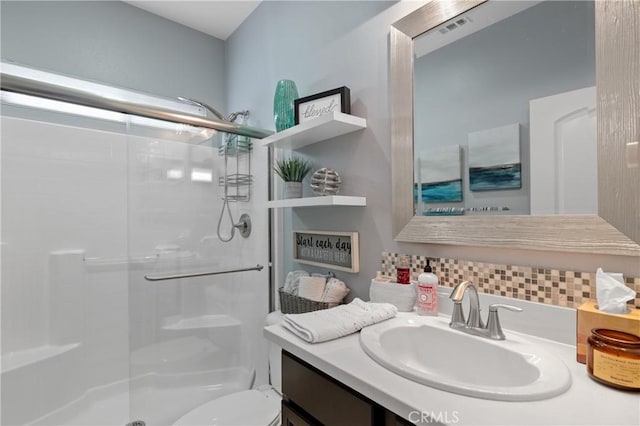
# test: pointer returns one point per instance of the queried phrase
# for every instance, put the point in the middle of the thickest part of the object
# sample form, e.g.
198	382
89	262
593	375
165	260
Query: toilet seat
246	408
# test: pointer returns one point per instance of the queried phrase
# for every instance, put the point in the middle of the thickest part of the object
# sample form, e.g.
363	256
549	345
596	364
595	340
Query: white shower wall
86	213
63	198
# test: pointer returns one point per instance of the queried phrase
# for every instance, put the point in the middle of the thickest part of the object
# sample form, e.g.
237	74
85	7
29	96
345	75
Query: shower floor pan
157	400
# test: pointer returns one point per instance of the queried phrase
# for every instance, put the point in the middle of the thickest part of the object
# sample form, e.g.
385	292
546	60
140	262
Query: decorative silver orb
325	182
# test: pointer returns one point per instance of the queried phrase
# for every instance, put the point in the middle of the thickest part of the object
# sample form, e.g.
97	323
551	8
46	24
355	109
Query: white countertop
585	403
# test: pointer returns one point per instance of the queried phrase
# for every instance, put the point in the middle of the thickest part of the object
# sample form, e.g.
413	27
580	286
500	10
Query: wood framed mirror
614	230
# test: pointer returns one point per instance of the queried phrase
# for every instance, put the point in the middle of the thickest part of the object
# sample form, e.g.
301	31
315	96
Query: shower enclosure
103	212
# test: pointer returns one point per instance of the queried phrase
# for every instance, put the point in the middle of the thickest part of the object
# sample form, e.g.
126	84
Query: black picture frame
304	103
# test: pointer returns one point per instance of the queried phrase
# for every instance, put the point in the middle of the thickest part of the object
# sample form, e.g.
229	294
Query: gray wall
323	45
113	42
545	50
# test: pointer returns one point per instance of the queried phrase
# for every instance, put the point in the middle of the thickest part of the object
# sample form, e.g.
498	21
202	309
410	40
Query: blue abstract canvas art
441	192
494	159
439	174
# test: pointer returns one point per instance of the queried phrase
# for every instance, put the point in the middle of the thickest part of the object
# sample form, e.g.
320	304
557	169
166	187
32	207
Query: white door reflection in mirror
564	153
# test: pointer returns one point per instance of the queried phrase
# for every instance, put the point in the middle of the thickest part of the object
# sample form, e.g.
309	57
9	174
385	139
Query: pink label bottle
427	292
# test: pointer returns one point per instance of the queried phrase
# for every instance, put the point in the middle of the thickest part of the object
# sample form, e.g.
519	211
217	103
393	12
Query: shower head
203	105
229	118
234	115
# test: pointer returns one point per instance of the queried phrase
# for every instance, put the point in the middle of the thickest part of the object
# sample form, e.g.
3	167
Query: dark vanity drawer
327	401
293	417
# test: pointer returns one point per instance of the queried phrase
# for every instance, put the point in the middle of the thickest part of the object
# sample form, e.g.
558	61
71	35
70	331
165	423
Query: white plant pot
292	189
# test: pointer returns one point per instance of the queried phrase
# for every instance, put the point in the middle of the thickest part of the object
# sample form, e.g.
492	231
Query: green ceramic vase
283	112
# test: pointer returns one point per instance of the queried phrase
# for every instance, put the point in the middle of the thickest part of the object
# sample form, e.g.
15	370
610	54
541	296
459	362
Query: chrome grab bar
200	274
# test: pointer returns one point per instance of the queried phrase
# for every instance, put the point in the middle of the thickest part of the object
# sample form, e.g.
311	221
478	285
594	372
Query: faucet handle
493	323
495	306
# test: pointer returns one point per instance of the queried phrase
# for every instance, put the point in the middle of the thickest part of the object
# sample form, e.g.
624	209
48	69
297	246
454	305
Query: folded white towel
334	291
328	324
293	281
312	288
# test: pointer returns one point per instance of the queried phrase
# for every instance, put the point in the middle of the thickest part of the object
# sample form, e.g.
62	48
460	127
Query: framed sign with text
328	249
314	106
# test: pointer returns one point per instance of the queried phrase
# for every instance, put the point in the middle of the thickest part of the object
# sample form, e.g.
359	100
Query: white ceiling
478	18
218	18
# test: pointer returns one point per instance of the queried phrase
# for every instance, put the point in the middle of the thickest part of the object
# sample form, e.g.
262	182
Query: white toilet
247	408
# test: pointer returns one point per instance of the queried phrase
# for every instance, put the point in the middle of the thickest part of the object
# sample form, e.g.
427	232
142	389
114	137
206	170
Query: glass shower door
192	339
92	202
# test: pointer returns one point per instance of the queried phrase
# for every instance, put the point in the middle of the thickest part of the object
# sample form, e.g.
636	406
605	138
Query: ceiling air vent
454	24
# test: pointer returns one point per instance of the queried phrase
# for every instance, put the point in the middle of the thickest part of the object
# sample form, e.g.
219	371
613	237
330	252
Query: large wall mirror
494	105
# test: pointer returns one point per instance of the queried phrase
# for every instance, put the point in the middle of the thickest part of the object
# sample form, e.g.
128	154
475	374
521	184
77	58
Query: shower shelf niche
27	357
200	322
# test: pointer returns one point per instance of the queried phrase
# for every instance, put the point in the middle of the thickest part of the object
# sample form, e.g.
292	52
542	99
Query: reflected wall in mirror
588	233
500	67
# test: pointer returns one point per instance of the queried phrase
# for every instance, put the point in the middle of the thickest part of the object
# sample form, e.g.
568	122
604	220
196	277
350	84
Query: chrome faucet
457	318
473	324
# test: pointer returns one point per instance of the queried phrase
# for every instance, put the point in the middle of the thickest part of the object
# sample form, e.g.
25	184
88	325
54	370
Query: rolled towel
293	281
328	324
312	288
334	291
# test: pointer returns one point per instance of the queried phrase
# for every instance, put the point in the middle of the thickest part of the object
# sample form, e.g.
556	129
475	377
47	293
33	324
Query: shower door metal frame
28	81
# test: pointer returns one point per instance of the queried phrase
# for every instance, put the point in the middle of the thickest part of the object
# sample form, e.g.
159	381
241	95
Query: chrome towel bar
200	274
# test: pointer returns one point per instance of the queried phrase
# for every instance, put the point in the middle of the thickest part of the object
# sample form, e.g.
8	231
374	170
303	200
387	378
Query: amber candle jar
613	358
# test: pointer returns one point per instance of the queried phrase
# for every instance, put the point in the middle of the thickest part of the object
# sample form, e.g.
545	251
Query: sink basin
426	350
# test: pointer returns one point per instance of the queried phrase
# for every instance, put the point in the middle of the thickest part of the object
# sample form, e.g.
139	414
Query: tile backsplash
551	286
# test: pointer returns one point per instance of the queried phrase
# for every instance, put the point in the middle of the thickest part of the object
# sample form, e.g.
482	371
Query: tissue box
589	317
402	296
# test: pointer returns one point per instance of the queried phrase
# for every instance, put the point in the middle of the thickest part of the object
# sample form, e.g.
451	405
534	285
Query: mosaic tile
551	286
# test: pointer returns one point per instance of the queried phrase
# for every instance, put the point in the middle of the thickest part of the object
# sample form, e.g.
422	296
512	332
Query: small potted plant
292	171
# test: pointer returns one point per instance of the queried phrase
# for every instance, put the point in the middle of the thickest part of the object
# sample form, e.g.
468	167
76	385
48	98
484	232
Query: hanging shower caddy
238	147
237	186
236	150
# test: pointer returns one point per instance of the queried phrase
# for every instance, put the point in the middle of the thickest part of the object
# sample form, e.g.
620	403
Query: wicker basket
290	304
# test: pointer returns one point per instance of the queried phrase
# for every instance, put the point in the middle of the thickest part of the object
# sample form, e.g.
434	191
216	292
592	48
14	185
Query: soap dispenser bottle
427	292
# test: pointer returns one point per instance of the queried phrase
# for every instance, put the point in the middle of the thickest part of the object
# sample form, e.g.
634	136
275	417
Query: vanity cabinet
325	127
311	397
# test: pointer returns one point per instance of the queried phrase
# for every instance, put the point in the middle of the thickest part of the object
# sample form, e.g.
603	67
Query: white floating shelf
328	200
319	129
